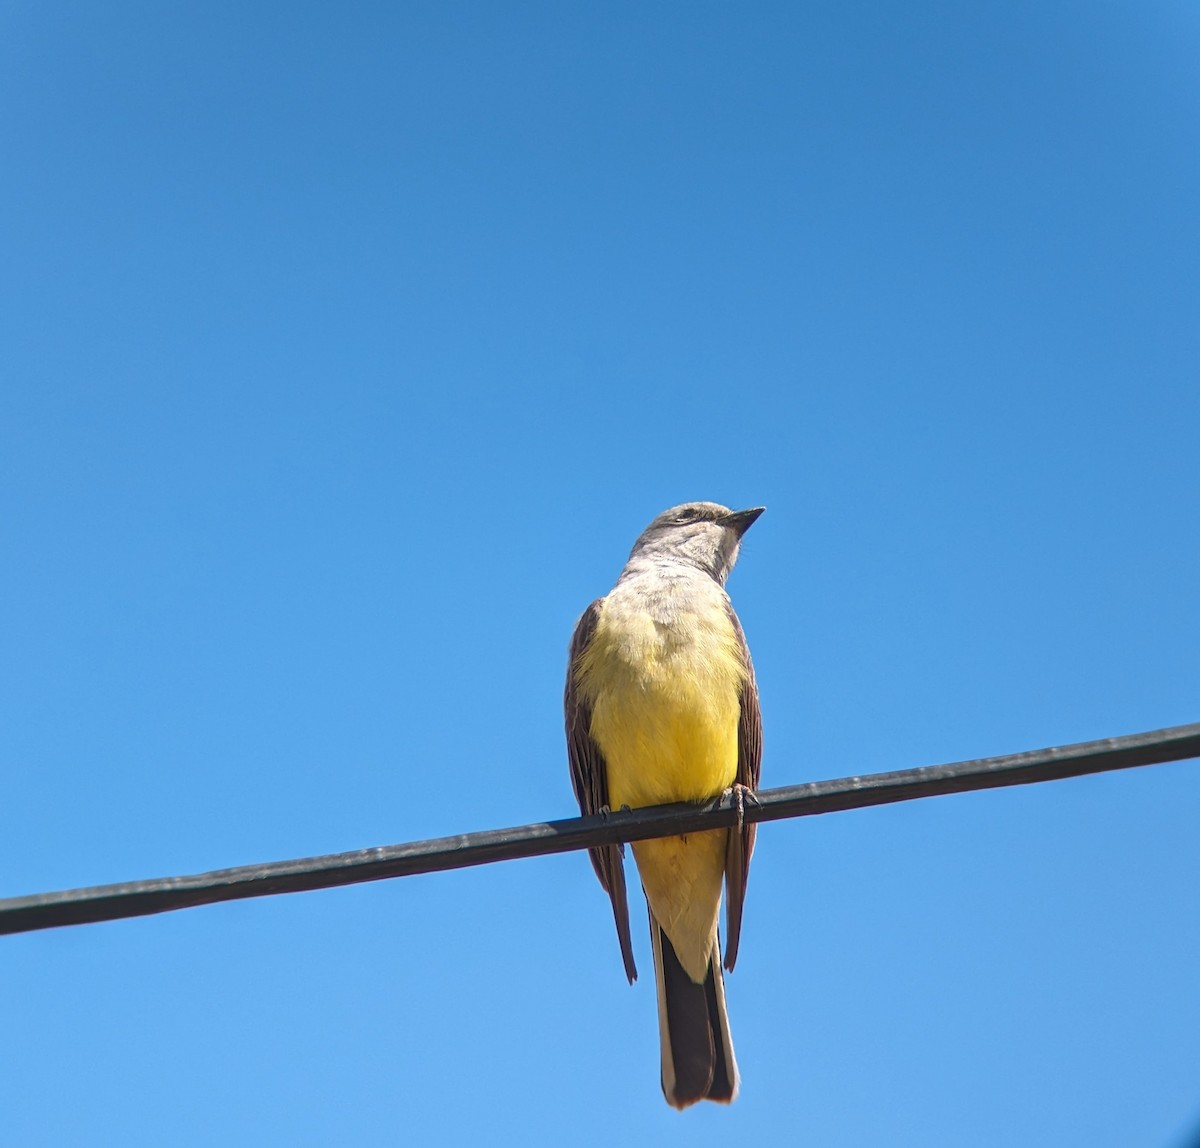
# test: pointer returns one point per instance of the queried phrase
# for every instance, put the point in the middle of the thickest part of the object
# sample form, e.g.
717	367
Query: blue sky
345	351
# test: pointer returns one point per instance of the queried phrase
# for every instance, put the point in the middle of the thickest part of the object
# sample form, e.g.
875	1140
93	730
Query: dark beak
742	520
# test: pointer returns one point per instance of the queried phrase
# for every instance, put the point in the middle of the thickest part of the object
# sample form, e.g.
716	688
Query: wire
142	898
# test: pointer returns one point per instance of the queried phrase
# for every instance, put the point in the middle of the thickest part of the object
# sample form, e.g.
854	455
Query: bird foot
738	795
606	812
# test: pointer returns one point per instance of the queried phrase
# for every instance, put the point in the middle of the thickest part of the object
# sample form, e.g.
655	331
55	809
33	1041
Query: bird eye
689	515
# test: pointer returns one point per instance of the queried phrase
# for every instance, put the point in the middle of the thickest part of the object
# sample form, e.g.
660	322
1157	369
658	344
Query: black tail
697	1050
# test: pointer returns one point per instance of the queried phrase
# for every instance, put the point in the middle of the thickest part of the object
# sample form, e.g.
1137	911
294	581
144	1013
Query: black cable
141	898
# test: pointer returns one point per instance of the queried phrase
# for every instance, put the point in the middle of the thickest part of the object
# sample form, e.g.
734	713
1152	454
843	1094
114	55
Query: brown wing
741	844
589	776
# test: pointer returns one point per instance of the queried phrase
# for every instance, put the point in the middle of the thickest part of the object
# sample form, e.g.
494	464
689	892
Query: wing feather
589	777
749	769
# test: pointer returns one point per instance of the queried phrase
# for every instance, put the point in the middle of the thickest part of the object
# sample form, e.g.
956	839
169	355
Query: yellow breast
664	687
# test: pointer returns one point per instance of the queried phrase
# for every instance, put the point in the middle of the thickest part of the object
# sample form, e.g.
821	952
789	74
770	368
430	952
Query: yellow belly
665	744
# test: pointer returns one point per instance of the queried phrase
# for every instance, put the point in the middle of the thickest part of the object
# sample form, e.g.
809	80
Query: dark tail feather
697	1050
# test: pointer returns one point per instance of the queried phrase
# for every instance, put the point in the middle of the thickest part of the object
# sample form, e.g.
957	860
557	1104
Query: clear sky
344	351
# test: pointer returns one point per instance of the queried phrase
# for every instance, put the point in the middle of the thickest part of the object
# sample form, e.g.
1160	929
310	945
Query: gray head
701	534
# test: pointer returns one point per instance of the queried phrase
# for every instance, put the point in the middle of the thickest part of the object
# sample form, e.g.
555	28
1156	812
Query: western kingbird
661	706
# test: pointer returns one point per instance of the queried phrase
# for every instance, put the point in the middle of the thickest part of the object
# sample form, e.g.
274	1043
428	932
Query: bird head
701	534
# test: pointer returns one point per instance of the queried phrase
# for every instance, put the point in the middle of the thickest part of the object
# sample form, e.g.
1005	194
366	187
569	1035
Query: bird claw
738	795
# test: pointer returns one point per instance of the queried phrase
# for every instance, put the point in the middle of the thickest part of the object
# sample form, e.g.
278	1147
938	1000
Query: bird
661	705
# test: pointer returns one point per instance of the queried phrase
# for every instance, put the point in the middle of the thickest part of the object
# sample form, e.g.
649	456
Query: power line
161	895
